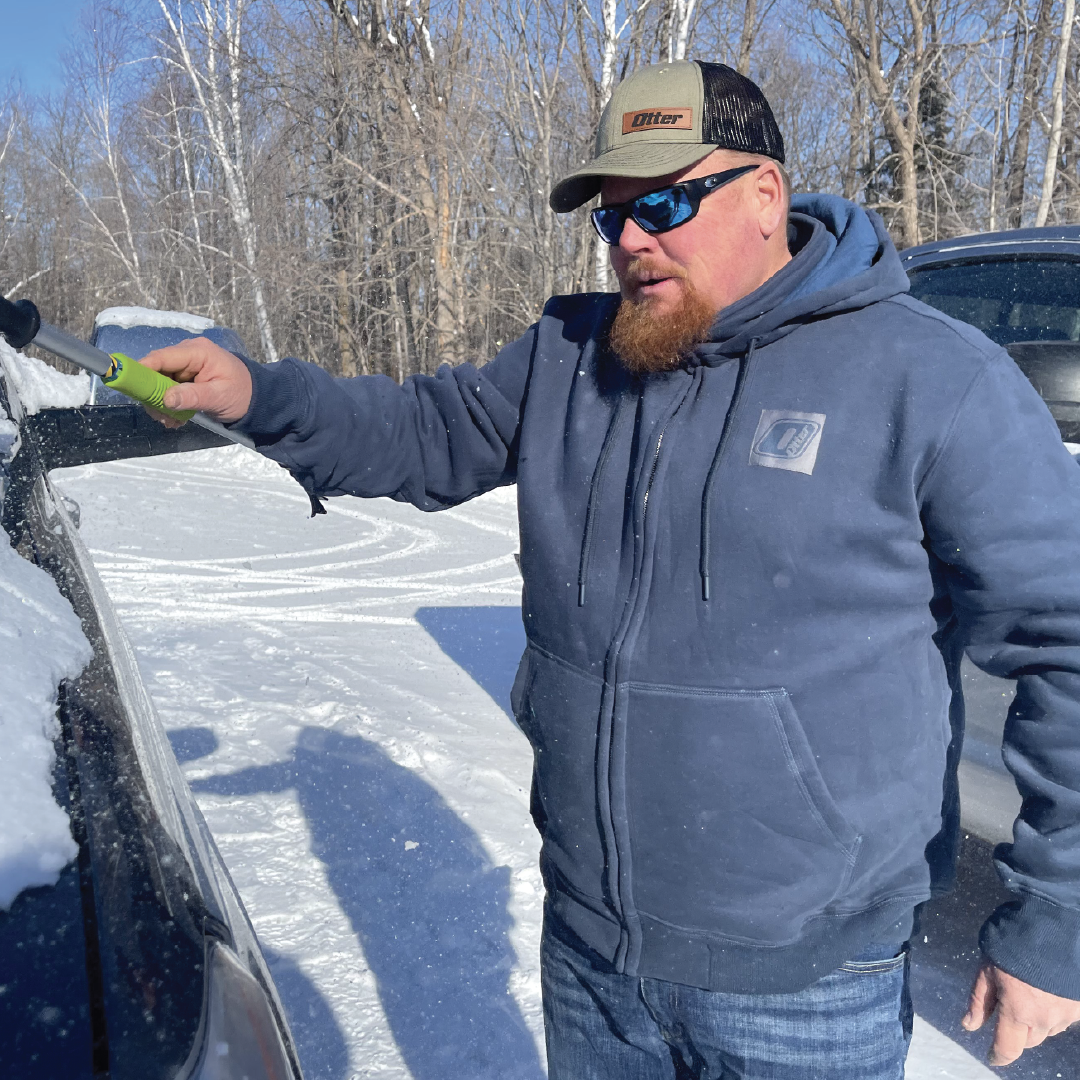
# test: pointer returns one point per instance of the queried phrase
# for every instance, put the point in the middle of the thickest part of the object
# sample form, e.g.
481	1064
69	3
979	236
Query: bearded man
766	502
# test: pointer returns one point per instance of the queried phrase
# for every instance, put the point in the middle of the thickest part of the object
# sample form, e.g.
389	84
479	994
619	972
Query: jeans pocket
732	827
874	967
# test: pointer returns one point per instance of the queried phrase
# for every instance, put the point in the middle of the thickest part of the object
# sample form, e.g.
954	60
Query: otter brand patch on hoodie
787	440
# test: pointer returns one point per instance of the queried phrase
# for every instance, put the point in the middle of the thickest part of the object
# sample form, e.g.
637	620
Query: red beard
648	341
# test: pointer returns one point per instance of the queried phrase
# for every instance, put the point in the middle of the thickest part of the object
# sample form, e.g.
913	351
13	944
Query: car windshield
1013	299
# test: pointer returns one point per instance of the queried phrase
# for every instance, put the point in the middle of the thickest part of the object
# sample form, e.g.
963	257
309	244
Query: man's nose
634	240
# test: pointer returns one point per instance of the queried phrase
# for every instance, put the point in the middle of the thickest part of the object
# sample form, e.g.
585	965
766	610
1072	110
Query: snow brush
21	324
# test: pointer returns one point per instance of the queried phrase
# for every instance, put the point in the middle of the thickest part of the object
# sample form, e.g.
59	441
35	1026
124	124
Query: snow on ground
40	386
41	643
337	691
126	317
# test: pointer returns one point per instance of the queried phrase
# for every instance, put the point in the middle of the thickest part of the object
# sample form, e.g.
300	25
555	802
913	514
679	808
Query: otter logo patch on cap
681	119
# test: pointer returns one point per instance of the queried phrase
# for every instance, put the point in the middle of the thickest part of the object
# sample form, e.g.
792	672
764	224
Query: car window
1007	299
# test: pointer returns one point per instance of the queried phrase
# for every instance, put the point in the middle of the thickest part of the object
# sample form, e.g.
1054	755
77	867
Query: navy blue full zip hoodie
748	584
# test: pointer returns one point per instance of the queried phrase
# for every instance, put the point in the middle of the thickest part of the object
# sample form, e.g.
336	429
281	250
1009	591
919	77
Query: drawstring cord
594	488
706	498
714	468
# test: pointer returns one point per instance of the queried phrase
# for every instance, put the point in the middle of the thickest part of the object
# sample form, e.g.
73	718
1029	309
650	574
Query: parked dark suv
1022	289
140	962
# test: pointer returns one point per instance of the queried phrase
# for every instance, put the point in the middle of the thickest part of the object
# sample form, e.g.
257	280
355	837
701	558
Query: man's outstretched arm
433	441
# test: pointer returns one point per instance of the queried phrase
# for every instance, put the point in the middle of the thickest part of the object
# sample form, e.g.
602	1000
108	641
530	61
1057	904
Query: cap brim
640	160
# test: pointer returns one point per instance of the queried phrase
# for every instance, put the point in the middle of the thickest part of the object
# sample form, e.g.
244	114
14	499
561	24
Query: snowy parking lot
337	692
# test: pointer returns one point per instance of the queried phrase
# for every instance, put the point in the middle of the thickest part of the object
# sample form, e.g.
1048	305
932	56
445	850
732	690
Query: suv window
1009	300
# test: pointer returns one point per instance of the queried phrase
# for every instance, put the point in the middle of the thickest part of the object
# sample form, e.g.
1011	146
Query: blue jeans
854	1024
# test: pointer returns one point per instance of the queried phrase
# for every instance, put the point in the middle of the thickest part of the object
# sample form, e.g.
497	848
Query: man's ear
771	198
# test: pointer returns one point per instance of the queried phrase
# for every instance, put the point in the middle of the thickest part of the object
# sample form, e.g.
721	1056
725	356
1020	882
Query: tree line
363	183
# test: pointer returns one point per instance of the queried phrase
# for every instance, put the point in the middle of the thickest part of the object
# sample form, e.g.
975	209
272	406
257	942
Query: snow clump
40	386
41	643
127	317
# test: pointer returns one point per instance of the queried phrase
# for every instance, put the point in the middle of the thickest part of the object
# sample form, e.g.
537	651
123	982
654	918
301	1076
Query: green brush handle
143	384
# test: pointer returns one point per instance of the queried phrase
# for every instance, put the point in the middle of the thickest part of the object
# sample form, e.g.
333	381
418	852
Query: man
766	501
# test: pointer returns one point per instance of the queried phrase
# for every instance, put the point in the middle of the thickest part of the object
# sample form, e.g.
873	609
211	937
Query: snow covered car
140	961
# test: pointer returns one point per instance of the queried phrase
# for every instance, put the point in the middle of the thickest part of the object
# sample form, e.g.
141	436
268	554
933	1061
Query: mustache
641	269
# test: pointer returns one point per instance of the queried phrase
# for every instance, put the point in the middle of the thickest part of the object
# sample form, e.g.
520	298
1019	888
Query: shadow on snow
487	642
431	917
319	1042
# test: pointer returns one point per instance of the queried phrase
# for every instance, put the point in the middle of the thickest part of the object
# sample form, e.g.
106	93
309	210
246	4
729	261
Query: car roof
1057	240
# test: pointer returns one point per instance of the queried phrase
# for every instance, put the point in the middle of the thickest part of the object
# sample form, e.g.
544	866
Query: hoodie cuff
1038	942
277	402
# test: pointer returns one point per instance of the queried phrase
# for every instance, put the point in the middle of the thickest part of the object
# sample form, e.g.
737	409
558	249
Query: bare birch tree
1057	98
213	61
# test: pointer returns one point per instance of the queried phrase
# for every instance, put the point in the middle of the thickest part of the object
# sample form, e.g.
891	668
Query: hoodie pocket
732	829
557	707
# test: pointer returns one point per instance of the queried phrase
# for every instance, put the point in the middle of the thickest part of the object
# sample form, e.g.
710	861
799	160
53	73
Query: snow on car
137	958
41	643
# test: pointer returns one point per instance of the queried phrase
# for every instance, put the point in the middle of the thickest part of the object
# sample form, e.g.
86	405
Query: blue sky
36	32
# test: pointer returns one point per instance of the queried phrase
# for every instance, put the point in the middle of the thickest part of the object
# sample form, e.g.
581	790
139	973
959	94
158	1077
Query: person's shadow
423	897
319	1042
487	642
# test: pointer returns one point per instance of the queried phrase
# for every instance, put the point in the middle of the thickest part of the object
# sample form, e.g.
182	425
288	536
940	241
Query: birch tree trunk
682	18
609	50
1057	96
1001	131
611	32
1030	86
216	84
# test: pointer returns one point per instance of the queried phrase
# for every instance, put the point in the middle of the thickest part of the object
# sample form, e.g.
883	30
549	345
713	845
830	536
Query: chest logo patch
787	440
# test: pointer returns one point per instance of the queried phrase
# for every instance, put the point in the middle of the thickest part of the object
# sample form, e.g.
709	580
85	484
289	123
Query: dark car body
1022	289
141	961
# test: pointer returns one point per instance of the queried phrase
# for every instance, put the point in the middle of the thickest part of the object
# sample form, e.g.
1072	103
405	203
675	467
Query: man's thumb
983	1001
184	396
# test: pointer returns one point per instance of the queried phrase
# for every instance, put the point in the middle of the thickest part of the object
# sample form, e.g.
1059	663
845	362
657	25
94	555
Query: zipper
652	477
628	951
629	946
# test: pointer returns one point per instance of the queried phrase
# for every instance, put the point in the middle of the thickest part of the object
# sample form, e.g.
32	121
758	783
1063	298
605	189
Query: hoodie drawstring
594	488
714	468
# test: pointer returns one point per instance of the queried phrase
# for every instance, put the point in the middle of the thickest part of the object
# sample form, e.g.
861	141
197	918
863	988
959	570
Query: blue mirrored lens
608	224
662	210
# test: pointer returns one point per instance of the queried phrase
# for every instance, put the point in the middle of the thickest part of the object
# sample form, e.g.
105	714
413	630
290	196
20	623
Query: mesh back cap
667	117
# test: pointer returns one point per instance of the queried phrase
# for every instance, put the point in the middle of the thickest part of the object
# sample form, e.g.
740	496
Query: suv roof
1054	240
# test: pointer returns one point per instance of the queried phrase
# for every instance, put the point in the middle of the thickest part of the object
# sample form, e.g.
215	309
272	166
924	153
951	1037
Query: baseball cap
667	117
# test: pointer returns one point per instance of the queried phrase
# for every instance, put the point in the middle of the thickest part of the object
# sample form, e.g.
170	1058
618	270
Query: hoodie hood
843	259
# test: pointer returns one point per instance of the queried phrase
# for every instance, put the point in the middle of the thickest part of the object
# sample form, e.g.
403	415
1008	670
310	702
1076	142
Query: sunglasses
664	209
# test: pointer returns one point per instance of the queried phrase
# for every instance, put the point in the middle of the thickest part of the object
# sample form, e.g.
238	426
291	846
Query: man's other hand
214	381
1025	1014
